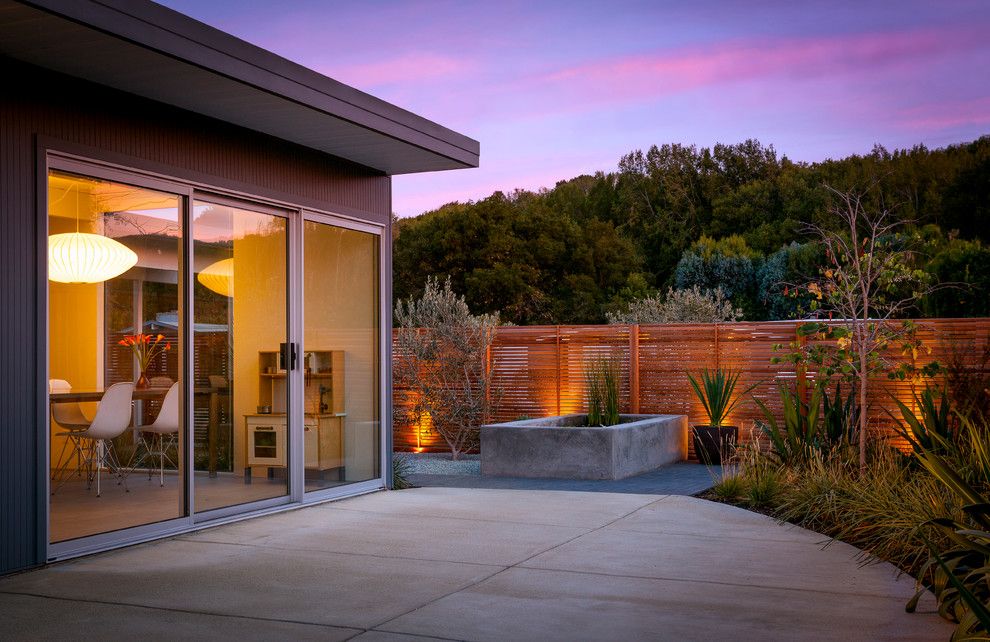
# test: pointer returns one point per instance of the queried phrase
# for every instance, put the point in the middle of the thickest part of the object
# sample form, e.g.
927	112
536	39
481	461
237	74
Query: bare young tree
444	360
869	283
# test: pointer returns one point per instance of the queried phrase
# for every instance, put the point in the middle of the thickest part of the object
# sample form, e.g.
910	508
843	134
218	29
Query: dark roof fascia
180	37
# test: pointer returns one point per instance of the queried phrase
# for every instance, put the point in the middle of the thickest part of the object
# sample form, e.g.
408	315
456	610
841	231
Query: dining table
81	395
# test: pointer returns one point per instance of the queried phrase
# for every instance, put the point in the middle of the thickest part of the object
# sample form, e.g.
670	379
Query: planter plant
717	392
602	380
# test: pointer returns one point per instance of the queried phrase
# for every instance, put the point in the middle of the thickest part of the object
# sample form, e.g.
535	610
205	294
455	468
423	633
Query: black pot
714	443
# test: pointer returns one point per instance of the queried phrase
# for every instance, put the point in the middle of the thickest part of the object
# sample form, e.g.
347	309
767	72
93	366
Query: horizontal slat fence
540	369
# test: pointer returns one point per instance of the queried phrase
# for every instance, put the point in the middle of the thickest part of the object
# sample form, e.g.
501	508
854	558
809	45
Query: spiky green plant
401	467
961	574
795	439
931	427
840	416
716	391
602	380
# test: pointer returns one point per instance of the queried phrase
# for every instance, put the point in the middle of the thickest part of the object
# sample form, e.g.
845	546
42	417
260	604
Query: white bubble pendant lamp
76	257
219	277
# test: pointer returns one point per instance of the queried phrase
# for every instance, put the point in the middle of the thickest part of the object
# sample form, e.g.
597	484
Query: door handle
287	354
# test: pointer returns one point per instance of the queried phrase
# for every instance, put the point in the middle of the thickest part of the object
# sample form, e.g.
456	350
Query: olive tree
443	359
689	305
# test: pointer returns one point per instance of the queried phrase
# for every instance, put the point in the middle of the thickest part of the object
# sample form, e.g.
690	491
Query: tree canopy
730	217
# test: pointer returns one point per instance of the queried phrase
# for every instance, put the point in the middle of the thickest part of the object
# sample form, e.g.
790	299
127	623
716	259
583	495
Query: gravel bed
440	464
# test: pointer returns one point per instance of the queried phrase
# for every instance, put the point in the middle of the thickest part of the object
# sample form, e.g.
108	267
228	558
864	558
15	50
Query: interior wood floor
76	511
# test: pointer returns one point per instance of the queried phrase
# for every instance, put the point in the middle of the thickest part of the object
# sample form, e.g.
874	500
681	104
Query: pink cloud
664	73
947	114
411	68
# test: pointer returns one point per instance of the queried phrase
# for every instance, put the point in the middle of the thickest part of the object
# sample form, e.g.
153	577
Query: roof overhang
152	51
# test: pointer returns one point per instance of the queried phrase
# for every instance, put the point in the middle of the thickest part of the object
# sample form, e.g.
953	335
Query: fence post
634	368
717	363
558	371
488	382
802	374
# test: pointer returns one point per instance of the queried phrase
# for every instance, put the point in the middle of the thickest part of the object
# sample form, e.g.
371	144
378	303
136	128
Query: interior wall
259	321
75	319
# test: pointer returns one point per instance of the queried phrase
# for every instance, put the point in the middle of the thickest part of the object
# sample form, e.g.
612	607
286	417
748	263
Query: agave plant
932	430
716	391
797	437
840	417
961	575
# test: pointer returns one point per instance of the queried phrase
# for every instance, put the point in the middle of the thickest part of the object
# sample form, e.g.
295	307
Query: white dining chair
71	418
164	430
113	416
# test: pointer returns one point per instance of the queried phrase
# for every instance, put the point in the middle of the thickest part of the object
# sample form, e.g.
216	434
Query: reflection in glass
114	261
340	351
239	309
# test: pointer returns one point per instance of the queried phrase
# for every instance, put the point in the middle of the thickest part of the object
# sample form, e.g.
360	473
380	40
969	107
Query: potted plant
716	391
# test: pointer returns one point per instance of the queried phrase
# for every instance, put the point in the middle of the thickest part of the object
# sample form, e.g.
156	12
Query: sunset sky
556	89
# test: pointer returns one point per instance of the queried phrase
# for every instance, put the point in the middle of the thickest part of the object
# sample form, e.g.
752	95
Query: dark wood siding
38	107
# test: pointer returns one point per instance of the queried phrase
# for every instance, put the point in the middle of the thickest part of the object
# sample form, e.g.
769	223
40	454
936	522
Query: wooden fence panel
540	369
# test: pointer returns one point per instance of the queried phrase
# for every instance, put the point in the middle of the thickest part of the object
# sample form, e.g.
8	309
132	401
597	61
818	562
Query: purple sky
556	89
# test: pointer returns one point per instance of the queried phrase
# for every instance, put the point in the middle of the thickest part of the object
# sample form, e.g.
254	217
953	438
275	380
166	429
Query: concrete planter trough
562	448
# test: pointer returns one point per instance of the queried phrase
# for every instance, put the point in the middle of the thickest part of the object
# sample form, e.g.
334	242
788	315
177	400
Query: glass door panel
242	386
342	428
114	303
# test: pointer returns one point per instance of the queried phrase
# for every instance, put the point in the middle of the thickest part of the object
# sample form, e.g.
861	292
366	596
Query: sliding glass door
208	355
115	359
341	301
242	408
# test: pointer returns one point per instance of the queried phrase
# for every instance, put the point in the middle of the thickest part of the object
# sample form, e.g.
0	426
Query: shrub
401	467
446	365
960	572
727	264
764	489
689	305
730	488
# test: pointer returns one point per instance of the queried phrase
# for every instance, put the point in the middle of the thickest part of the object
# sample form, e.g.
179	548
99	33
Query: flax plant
602	380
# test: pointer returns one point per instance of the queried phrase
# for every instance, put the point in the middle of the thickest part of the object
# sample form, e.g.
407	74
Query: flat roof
149	50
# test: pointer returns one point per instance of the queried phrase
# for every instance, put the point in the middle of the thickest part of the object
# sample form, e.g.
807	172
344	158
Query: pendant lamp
78	257
219	277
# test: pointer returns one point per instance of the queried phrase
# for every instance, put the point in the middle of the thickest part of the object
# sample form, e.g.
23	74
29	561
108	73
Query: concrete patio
476	564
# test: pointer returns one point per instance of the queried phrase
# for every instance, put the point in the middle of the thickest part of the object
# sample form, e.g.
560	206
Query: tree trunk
863	382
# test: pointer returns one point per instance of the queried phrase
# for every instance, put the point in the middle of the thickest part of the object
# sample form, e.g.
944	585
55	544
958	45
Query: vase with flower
145	348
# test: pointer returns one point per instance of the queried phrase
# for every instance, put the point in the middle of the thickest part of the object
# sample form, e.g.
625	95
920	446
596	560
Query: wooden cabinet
323	440
323	423
323	381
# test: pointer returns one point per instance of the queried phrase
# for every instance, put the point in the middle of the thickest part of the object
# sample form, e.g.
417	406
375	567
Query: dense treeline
733	216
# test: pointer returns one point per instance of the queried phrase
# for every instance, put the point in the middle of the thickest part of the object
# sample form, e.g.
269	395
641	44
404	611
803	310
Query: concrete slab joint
560	447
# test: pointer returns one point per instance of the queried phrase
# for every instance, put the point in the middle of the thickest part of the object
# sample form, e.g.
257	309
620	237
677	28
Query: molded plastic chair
113	416
70	416
165	424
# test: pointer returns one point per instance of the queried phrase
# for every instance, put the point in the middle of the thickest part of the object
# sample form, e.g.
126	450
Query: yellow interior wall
75	317
259	311
341	302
